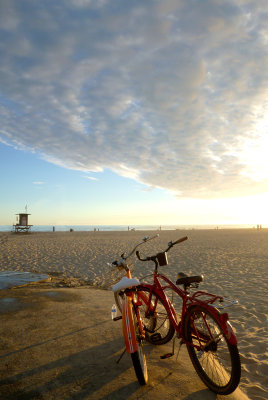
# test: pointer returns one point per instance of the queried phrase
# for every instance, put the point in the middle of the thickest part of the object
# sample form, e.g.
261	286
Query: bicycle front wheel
215	360
156	322
138	357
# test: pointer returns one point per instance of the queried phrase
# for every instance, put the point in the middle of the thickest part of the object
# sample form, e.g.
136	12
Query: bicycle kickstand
119	359
168	355
181	342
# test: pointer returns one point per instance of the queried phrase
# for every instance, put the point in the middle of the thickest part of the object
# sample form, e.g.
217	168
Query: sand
234	263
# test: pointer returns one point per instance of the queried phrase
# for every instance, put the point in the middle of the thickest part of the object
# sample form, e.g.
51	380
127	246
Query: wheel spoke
211	359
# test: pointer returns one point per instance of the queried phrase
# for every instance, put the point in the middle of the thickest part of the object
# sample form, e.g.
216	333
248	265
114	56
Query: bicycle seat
125	283
184	279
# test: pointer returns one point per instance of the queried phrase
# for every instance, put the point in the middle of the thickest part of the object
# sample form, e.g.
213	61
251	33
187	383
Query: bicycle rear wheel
138	357
215	360
157	325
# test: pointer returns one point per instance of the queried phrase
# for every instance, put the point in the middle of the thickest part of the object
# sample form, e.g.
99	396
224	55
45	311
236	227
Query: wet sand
234	262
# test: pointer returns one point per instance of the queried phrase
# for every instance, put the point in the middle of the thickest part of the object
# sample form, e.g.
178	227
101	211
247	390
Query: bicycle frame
187	301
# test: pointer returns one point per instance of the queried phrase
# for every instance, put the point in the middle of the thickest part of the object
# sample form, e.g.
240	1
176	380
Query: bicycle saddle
184	279
125	283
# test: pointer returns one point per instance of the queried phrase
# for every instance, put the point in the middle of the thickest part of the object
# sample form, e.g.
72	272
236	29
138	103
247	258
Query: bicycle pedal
168	355
117	318
155	337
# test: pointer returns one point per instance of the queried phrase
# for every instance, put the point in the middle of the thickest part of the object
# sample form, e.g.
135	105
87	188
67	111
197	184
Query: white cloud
168	93
91	178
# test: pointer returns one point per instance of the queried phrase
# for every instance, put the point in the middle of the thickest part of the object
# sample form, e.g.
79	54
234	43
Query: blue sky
133	112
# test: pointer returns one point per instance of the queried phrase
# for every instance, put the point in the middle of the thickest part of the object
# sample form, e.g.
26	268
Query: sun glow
254	153
255	157
251	209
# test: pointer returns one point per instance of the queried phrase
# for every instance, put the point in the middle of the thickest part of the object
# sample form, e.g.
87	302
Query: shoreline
137	228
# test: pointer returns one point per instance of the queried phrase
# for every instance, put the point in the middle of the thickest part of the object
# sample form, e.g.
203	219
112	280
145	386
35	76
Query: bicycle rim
215	360
138	358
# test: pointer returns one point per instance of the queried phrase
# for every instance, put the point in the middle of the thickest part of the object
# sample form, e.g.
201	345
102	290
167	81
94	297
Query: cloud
38	183
167	93
91	178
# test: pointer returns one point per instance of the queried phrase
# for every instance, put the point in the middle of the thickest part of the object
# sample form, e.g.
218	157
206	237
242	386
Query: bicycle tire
217	363
138	357
157	323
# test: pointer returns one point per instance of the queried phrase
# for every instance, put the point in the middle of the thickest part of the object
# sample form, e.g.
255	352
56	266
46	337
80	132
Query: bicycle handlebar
122	263
170	244
144	240
142	259
180	240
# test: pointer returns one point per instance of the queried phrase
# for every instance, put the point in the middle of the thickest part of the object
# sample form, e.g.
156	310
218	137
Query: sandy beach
234	262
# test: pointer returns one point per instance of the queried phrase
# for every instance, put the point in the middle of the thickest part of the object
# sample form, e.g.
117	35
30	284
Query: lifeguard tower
22	225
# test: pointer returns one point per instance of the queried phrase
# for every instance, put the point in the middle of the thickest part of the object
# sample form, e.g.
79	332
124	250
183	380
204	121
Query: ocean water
88	228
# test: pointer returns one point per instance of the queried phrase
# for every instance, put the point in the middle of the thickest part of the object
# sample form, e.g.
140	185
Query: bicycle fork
128	325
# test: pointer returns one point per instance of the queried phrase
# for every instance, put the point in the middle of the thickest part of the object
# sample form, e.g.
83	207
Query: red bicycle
207	333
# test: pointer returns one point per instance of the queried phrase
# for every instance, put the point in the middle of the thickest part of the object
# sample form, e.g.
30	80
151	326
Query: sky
134	112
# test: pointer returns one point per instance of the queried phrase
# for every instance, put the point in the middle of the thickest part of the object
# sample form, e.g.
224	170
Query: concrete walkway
62	344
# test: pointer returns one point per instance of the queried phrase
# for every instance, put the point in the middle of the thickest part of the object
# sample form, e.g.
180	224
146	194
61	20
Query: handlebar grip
141	259
180	240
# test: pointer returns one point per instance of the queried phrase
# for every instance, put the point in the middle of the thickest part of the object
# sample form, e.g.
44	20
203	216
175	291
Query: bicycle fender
128	325
225	325
228	329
